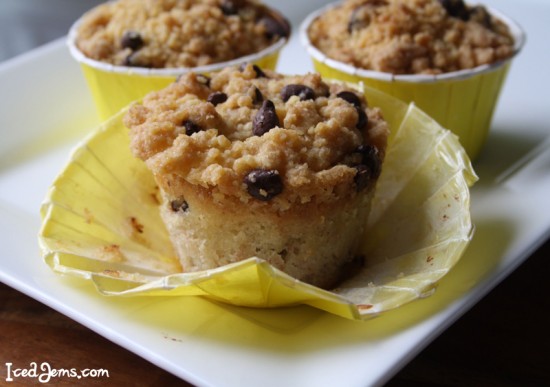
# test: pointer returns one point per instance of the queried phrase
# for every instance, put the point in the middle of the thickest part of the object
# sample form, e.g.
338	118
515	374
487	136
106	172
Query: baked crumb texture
411	36
254	163
177	33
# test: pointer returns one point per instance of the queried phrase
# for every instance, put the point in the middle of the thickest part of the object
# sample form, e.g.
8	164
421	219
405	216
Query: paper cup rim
172	71
515	29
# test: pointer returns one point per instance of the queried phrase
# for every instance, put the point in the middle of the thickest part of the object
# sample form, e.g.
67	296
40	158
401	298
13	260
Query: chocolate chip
229	8
456	8
369	168
362	119
370	158
217	97
480	15
274	28
303	91
190	127
362	177
350	97
259	72
179	205
263	184
132	40
359	19
265	119
258	96
362	16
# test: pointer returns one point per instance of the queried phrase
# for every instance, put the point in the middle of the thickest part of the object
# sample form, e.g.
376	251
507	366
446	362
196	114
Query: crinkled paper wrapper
101	223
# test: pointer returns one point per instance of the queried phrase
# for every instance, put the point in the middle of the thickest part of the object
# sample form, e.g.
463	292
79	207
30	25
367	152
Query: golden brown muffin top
177	33
260	137
411	36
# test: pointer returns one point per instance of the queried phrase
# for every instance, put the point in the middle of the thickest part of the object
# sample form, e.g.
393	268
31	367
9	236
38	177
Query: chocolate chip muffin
177	33
252	163
411	36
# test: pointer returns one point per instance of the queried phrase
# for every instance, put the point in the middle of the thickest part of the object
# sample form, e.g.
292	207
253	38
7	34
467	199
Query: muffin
412	36
177	33
449	58
250	162
127	48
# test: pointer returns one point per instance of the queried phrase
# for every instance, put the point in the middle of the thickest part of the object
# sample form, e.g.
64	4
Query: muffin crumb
177	33
411	36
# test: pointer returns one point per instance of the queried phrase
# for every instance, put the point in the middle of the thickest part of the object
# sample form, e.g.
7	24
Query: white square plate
46	108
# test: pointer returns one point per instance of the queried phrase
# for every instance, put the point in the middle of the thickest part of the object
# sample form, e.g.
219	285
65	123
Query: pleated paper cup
113	87
461	101
101	222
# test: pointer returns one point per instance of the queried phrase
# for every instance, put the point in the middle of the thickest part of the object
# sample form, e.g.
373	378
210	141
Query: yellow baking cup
461	101
101	222
114	87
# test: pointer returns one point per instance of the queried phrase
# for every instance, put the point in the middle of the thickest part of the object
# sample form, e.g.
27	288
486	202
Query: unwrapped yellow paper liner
101	223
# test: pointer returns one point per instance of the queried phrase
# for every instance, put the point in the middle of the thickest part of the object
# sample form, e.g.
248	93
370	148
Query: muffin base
316	245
